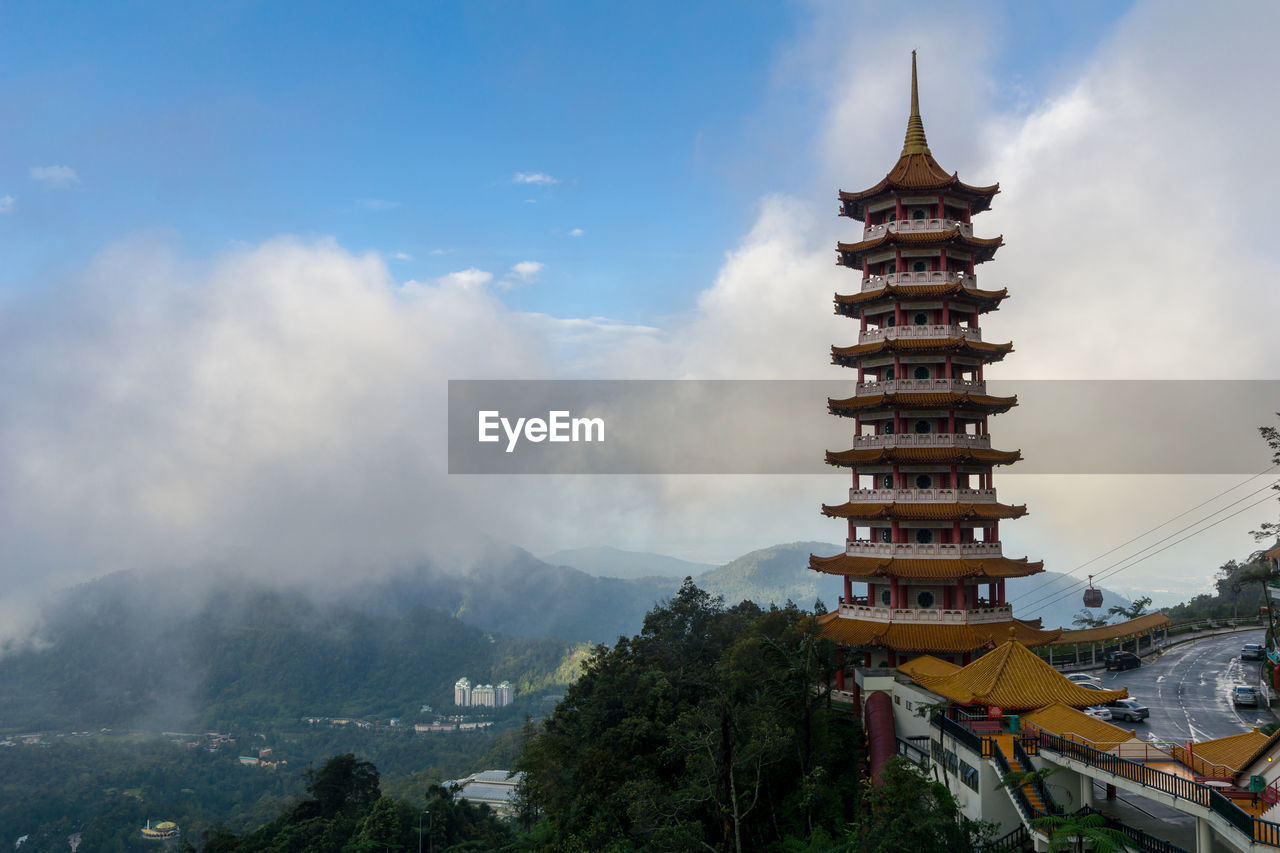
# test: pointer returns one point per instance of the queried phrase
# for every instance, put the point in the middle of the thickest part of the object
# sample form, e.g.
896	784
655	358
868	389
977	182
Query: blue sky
402	128
246	245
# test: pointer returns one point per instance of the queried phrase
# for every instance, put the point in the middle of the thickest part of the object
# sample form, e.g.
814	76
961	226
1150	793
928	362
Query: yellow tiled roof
928	637
927	455
952	236
1076	725
956	289
1264	750
849	406
941	344
1232	751
925	567
1012	676
1111	632
924	511
928	665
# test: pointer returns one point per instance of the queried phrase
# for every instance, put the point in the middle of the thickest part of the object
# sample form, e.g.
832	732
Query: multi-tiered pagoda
924	521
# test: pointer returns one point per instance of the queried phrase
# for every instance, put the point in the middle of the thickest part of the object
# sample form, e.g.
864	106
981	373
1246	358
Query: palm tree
1133	611
1074	830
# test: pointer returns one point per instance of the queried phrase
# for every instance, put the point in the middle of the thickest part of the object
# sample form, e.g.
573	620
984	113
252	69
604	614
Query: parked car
1089	685
1128	709
1122	660
1083	678
1244	696
1251	651
1098	711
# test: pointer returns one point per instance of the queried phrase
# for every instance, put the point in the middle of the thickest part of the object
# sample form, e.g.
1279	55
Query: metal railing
920	756
1020	756
1020	799
1013	842
1144	841
1257	829
959	732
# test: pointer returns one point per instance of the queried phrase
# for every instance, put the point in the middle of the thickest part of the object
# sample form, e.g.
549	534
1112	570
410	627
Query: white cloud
54	177
283	406
377	204
468	279
577	232
526	270
520	274
281	409
402	256
539	178
7	203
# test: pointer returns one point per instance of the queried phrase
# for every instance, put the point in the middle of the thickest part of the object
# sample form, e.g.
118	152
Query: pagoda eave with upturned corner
923	520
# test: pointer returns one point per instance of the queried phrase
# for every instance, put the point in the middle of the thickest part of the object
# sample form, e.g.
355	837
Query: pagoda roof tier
933	636
983	248
951	344
1012	676
924	511
922	455
986	300
939	568
914	173
916	169
963	400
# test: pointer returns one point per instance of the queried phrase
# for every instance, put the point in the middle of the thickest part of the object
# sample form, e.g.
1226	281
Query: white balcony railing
878	282
932	615
893	333
911	550
904	226
923	496
897	386
926	439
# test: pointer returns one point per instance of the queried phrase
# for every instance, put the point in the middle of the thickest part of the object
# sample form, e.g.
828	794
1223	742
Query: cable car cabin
1092	597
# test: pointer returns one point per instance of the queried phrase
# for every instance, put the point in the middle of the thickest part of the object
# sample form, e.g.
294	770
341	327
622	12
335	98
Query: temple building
923	517
932	658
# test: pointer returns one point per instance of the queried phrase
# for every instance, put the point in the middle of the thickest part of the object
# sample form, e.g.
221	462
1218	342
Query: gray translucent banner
783	427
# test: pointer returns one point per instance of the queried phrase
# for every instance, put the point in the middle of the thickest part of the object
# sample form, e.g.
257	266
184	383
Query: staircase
1030	799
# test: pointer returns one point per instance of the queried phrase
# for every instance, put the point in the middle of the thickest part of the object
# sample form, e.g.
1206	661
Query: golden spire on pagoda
915	142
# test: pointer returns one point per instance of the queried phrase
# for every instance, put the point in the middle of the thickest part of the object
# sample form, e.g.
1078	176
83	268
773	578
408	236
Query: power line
1166	523
1112	568
1171	544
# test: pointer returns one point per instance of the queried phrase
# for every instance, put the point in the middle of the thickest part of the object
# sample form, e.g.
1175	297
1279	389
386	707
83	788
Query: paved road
1188	690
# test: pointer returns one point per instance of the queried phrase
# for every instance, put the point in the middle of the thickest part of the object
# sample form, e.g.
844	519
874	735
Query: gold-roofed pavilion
1014	678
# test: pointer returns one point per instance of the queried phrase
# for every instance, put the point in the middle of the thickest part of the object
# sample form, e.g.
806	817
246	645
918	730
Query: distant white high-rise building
483	695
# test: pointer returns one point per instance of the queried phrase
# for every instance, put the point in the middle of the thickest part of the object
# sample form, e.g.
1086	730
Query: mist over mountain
114	654
606	561
153	652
